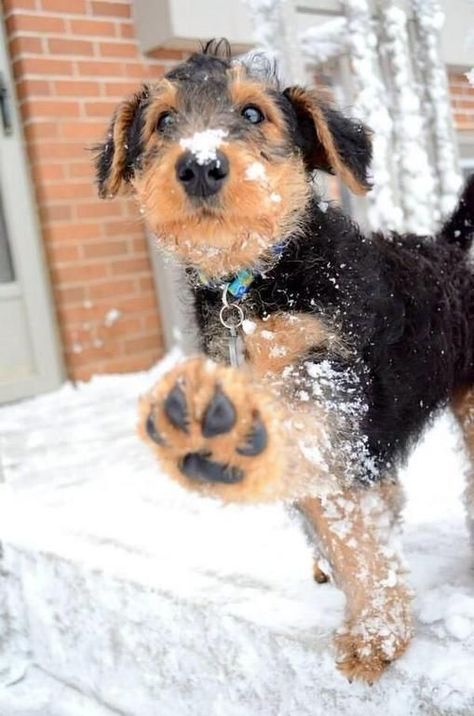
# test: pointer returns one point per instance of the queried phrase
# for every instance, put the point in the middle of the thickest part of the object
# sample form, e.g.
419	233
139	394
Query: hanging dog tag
231	316
233	348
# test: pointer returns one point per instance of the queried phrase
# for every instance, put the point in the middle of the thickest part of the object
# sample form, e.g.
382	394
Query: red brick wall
73	61
462	97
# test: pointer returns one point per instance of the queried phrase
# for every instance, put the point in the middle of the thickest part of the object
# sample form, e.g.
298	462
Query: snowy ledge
146	600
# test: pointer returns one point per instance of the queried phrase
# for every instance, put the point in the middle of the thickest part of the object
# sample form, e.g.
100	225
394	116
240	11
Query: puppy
342	346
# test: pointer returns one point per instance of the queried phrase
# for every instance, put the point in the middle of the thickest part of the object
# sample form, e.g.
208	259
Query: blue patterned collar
239	285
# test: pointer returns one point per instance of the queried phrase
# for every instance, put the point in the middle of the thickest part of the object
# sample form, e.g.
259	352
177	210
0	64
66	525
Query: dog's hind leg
463	407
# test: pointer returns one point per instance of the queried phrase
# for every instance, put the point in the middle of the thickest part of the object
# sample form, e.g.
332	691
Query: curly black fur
404	303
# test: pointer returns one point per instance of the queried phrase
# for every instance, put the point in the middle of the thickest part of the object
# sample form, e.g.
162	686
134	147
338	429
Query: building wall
462	96
73	61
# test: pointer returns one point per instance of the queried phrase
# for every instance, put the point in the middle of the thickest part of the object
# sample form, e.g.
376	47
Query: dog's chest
270	344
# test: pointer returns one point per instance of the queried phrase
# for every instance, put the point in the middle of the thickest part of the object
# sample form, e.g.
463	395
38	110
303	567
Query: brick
127	30
120	89
55	213
144	72
138	304
102	69
34	23
124	326
134	363
15	5
140	244
84	130
96	28
32	88
45	173
79	272
58	150
69	295
61	254
35	108
20	45
152	323
146	284
114	9
98	209
118	49
124	227
40	130
61	46
76	88
65	190
100	109
78	170
130	266
164	54
42	66
106	248
116	287
73	232
76	7
145	343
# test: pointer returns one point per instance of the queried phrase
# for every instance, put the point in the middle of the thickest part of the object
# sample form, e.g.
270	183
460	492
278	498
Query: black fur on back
459	229
405	304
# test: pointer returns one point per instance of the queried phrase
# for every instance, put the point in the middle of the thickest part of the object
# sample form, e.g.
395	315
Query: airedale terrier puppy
348	344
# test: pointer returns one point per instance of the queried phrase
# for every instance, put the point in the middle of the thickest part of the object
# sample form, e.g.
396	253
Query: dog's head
220	158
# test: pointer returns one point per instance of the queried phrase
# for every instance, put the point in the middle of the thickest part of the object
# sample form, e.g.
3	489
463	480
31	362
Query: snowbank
147	600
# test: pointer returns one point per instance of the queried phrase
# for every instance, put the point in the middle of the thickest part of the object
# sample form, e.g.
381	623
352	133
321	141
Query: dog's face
220	159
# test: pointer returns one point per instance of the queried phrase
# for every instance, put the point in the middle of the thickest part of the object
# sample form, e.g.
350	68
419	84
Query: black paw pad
220	416
151	430
256	440
176	409
198	466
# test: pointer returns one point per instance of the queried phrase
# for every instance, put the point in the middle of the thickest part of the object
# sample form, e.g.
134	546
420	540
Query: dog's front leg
217	430
354	527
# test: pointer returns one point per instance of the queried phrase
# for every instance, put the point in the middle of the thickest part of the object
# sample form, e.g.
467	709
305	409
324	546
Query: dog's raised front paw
215	431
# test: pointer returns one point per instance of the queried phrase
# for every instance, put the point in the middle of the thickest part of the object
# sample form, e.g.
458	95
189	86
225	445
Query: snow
204	145
244	630
470	77
255	172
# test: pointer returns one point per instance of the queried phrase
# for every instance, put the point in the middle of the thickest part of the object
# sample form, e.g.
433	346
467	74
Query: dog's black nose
199	178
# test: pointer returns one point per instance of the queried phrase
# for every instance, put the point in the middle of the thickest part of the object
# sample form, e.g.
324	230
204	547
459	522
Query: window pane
6	266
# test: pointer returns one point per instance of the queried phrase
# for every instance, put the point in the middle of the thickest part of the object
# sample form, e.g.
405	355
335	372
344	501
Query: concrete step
35	693
143	600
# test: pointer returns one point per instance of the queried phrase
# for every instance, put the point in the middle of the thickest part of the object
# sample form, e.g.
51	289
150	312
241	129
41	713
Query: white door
30	358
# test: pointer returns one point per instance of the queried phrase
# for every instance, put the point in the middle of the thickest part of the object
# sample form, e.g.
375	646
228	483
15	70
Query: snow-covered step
35	693
148	601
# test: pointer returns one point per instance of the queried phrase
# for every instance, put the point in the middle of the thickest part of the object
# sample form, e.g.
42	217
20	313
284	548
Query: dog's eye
253	114
165	121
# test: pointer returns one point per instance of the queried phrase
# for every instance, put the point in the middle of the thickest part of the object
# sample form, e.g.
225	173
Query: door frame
31	282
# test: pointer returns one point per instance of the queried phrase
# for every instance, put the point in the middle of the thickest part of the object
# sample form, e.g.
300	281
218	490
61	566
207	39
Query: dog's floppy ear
330	141
116	157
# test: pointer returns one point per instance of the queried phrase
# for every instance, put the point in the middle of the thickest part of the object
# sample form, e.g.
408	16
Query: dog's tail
459	229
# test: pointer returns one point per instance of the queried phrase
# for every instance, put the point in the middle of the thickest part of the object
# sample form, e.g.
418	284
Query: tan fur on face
244	91
249	218
309	103
166	100
353	527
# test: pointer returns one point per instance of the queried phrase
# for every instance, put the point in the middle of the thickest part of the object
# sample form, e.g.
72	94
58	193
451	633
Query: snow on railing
416	181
